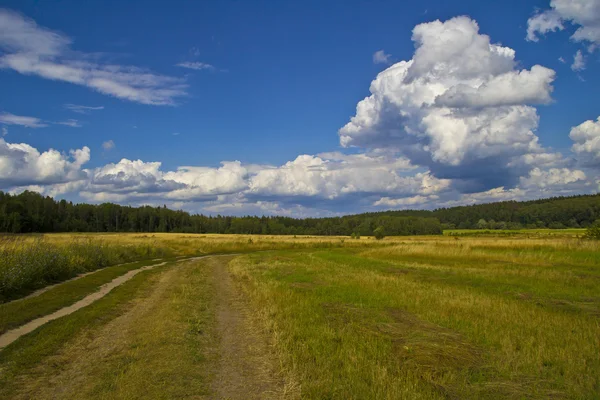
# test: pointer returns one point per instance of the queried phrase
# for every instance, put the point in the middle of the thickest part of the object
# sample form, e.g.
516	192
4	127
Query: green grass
19	312
403	318
568	232
28	263
28	351
390	323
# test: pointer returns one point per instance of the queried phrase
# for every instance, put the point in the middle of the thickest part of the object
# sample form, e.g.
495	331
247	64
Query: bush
593	231
379	233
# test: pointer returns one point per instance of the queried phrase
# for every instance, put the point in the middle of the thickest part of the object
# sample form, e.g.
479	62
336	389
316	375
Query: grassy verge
17	313
153	336
28	263
355	326
24	354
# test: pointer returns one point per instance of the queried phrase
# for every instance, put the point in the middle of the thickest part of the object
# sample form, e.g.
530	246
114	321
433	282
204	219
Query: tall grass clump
28	264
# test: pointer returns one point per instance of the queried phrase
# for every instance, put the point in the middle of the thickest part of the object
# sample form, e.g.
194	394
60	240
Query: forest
31	212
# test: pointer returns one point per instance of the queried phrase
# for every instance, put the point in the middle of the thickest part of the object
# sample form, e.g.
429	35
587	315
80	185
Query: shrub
593	231
379	233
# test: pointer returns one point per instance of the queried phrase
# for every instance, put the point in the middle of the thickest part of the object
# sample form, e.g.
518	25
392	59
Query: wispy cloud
380	57
176	133
578	62
196	65
73	123
29	122
108	145
82	109
34	50
4	131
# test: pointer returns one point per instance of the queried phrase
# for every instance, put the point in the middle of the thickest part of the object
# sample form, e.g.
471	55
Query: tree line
554	213
31	212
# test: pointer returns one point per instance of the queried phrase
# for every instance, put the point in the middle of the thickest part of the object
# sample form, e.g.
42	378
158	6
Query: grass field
460	317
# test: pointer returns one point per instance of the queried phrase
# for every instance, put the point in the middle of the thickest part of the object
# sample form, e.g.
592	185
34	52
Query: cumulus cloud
82	109
586	138
28	122
459	107
108	145
553	177
585	14
342	175
22	165
379	57
30	49
418	201
73	123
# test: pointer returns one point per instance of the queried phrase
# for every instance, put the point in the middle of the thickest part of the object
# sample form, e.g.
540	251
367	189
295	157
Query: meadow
423	317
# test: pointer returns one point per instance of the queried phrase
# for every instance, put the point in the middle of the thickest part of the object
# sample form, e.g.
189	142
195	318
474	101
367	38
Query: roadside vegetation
29	263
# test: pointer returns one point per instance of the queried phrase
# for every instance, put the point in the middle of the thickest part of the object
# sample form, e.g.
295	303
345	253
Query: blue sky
276	80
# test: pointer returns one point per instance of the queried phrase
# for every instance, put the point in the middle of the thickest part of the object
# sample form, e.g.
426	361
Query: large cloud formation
459	107
453	125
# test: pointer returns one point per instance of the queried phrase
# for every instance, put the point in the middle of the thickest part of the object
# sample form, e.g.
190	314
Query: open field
316	318
570	232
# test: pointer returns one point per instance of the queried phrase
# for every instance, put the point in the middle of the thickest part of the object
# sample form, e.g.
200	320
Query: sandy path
81	358
246	368
46	288
12	335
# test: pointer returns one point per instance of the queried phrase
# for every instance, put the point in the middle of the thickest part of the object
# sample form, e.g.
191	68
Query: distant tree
482	224
379	233
593	231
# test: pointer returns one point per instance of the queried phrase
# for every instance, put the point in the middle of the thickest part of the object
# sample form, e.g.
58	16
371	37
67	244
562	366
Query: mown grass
154	335
490	318
17	313
28	263
22	356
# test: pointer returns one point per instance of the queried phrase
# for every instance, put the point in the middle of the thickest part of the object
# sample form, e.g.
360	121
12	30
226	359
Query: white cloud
585	14
343	175
548	21
553	177
586	138
459	108
578	62
22	165
108	145
34	50
29	122
82	109
406	202
196	65
379	57
73	123
4	131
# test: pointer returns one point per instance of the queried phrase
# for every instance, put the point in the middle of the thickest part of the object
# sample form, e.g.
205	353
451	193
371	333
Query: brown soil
247	366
